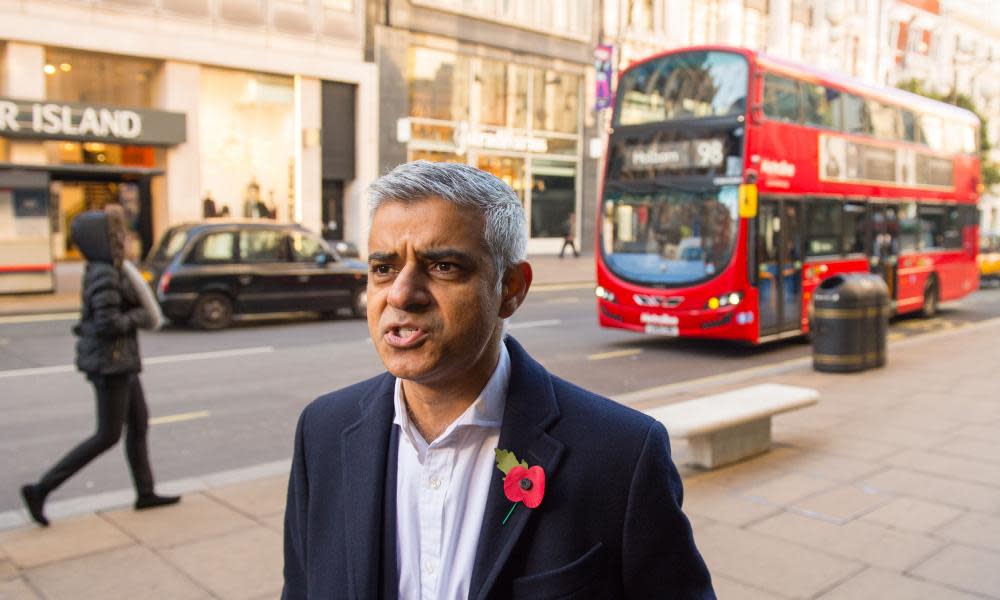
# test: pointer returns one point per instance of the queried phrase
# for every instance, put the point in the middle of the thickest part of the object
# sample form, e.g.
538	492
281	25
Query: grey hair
505	229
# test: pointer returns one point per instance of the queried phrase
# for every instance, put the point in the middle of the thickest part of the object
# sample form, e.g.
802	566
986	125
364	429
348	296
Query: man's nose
409	289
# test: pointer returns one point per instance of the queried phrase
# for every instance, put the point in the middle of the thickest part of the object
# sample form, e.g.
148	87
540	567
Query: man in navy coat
467	470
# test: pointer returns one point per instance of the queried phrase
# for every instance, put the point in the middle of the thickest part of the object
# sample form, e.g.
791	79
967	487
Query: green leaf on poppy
507	461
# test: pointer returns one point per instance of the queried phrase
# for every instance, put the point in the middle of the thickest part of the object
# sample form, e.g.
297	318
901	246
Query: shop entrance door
779	266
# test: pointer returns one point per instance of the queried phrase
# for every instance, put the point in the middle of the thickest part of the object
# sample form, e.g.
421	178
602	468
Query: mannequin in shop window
208	206
251	201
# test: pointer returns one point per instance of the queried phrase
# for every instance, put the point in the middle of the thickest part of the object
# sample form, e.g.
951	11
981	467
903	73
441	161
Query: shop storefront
521	122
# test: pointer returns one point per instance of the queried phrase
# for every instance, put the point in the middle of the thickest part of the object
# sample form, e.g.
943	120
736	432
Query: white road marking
154	360
529	324
69	316
180	417
615	354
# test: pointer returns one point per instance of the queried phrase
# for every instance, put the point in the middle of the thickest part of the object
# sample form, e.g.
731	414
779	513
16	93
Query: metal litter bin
851	319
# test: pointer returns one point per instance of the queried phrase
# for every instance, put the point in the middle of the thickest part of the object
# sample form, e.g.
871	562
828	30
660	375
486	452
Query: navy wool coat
610	525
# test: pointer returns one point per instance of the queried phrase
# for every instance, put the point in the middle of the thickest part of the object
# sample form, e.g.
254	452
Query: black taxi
207	273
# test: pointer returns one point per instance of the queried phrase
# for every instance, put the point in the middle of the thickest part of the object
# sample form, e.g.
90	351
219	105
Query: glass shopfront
521	123
247	143
96	79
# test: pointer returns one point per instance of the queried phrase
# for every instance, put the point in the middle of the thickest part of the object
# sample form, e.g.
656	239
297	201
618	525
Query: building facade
504	86
179	110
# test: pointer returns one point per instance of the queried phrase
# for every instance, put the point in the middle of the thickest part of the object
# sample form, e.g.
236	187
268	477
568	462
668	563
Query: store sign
849	161
88	123
675	155
501	139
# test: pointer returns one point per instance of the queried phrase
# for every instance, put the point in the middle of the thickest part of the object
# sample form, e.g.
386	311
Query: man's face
434	312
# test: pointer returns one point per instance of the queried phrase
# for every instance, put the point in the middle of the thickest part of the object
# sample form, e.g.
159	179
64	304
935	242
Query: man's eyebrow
382	256
444	253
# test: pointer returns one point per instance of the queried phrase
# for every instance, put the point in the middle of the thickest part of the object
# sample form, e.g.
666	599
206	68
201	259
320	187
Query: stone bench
734	425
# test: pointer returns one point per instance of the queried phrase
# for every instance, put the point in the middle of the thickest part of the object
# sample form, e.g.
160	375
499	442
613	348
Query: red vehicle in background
736	182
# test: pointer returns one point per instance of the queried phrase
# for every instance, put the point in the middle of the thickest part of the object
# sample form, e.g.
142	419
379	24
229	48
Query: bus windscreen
683	86
669	237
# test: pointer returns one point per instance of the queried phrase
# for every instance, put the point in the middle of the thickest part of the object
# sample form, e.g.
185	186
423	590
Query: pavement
549	270
888	488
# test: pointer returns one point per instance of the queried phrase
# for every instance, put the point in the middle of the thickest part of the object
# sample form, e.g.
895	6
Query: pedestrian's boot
153	500
34	499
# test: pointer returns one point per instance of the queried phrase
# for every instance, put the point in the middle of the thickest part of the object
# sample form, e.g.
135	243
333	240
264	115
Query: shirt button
429	567
435	483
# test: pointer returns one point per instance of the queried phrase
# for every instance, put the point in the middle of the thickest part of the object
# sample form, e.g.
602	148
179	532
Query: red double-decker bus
735	183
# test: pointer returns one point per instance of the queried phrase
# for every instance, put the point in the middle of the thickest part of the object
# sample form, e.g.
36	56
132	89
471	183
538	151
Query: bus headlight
730	299
604	294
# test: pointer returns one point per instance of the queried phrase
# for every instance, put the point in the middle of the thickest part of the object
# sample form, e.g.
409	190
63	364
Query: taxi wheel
212	311
359	303
930	307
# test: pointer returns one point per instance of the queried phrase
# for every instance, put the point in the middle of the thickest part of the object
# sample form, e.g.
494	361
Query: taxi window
306	248
262	245
213	248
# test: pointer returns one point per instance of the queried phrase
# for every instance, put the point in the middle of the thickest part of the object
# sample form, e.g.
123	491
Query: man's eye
445	267
381	269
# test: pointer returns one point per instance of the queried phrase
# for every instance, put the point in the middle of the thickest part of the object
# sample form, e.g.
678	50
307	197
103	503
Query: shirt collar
485	411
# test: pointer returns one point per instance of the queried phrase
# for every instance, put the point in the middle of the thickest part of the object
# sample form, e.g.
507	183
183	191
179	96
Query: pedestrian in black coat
107	351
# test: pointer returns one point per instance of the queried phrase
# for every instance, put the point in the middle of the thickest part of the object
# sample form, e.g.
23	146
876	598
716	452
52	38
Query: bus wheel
930	307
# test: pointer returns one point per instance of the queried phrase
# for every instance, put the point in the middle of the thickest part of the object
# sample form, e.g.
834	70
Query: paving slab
7	570
235	566
727	588
195	517
964	568
904	482
828	466
274	522
32	546
859	540
935	463
132	572
842	503
17	589
786	489
974	529
973	447
888	585
710	501
256	498
770	564
912	514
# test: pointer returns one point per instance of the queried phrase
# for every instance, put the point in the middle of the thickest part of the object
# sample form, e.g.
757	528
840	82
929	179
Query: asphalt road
228	400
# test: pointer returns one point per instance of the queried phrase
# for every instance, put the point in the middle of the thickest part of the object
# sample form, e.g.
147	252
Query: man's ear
514	289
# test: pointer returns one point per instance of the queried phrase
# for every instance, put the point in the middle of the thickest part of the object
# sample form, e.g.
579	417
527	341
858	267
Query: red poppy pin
521	483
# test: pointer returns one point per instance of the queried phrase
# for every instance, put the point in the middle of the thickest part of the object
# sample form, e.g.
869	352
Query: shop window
439	84
247	144
213	248
262	245
940	227
553	198
492	79
556	101
87	77
855	115
818	106
640	15
909	227
823	228
781	98
855	228
883	120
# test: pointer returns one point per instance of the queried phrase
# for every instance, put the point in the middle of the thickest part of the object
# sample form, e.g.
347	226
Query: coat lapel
531	407
365	447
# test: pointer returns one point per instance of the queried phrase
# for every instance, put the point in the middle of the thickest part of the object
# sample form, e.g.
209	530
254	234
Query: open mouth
404	336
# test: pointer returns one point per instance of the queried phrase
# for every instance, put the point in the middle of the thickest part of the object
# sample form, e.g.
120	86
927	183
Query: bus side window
909	227
818	108
909	123
855	228
781	98
855	115
932	134
883	120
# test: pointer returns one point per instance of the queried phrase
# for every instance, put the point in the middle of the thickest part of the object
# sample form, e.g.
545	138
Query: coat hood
90	234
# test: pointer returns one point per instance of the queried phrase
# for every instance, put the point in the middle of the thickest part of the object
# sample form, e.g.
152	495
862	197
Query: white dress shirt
441	491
